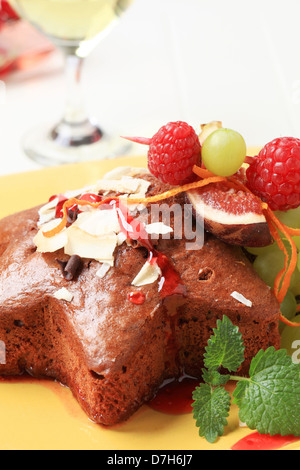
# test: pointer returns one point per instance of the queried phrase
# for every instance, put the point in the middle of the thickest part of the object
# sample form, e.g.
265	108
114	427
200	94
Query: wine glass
76	27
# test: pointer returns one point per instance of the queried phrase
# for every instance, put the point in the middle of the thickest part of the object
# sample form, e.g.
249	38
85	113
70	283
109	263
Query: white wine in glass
76	27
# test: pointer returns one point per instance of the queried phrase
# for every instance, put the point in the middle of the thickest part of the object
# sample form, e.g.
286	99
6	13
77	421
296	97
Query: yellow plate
42	415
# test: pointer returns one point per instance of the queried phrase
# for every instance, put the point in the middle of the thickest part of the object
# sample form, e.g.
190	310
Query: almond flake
89	246
149	273
240	298
98	222
125	185
117	173
63	294
50	245
142	189
158	228
103	270
121	238
47	212
78	192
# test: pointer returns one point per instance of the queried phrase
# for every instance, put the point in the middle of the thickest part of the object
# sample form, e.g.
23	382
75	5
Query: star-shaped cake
85	307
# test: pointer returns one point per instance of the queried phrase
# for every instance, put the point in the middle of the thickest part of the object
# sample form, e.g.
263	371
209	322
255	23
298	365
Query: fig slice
233	216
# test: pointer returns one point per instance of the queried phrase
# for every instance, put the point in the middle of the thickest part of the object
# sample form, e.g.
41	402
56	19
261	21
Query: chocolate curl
71	268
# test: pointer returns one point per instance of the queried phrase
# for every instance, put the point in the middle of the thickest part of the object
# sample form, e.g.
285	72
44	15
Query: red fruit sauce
256	441
90	197
59	207
137	298
170	283
175	397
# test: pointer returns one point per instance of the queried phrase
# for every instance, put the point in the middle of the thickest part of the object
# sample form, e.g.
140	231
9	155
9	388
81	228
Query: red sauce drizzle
137	298
256	441
59	206
170	283
94	198
175	397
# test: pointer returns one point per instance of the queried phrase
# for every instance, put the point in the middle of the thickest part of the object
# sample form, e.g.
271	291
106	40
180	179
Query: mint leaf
269	400
213	377
225	348
211	408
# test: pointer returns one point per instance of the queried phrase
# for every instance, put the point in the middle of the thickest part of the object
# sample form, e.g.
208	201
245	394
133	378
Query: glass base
54	146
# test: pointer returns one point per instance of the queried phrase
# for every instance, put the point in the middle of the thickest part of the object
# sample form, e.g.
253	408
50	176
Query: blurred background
194	60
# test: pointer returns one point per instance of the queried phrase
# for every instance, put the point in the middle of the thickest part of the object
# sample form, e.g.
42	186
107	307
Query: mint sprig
268	399
211	408
225	348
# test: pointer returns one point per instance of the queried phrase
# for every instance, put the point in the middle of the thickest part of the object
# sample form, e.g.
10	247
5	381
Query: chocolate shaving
72	215
71	268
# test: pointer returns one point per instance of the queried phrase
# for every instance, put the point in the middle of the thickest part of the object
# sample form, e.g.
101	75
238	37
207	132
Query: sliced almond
50	245
98	222
103	270
149	273
158	228
240	298
63	294
89	246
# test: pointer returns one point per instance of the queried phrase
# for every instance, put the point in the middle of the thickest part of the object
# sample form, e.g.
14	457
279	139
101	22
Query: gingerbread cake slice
93	309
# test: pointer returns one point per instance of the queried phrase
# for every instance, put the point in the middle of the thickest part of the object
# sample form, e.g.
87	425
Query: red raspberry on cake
173	152
274	175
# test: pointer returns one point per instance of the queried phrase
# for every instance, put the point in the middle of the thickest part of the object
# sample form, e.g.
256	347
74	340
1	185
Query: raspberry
173	152
274	175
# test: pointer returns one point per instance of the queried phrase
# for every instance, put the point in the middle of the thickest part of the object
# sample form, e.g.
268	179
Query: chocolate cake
100	324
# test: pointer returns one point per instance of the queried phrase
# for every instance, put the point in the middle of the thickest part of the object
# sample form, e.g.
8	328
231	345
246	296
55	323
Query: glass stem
75	129
75	112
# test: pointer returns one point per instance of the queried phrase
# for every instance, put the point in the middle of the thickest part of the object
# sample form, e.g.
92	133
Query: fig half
233	216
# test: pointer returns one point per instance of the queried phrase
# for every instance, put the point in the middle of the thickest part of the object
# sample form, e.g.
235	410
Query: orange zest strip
293	261
281	245
202	172
177	190
288	322
294	232
66	206
283	278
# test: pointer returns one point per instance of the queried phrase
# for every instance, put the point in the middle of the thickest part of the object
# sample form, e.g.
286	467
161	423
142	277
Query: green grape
261	250
290	218
224	152
295	282
266	249
268	265
288	308
290	340
297	242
